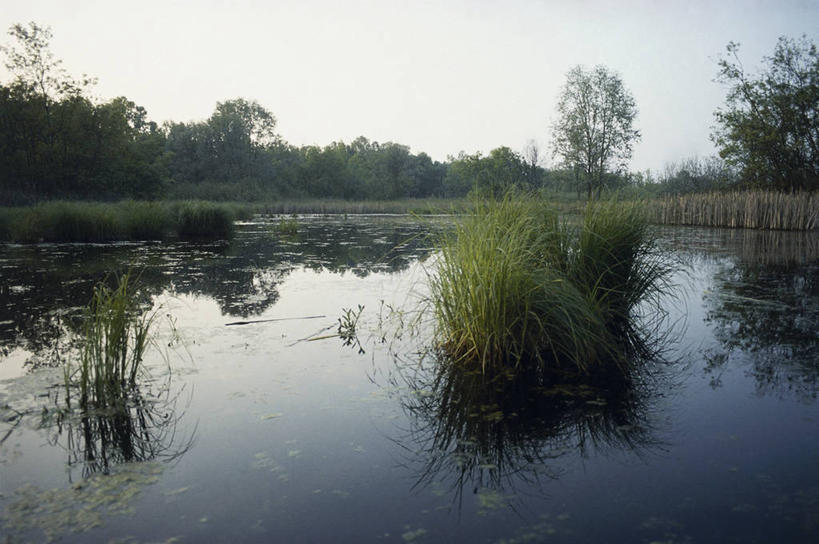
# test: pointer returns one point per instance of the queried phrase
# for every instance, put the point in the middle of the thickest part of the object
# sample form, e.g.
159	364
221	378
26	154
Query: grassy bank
741	209
129	220
514	287
418	206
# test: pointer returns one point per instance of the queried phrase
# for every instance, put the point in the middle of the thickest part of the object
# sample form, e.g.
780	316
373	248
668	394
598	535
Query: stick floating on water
270	320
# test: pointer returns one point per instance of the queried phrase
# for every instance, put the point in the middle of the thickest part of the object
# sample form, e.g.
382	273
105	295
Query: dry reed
740	209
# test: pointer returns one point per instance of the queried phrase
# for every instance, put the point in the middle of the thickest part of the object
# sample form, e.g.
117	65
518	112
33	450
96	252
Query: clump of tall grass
513	286
115	335
288	226
618	267
195	220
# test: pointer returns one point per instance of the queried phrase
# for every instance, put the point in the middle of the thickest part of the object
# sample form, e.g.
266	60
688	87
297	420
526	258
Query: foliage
696	175
769	127
492	175
594	133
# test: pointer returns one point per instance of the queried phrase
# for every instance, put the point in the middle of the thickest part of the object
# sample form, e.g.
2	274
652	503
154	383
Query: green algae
81	507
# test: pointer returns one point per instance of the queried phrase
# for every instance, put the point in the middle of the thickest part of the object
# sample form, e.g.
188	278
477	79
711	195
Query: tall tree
769	127
595	133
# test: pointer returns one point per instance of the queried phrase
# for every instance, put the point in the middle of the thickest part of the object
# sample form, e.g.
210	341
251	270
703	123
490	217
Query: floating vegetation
79	508
347	324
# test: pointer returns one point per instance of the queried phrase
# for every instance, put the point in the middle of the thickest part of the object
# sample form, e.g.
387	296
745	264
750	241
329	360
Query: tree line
56	141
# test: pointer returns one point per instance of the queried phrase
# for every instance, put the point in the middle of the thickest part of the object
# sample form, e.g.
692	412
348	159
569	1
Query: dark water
253	433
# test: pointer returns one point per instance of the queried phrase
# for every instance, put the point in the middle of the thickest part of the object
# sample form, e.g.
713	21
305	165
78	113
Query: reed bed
128	220
740	209
513	286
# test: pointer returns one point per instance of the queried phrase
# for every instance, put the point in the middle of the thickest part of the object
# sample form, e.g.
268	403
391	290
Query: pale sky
440	77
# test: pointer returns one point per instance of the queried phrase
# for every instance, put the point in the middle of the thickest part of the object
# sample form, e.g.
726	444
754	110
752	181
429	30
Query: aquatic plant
615	263
513	286
196	220
116	333
129	220
754	209
288	226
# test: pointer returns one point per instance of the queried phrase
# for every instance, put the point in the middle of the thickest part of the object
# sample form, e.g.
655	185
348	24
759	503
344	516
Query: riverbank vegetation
515	288
105	222
740	209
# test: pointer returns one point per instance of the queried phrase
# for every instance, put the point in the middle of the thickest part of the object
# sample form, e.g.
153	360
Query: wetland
291	394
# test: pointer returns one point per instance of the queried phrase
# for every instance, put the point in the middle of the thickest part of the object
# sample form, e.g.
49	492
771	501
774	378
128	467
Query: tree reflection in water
45	285
764	311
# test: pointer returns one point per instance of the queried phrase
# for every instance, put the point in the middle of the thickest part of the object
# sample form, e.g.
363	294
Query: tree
769	127
594	134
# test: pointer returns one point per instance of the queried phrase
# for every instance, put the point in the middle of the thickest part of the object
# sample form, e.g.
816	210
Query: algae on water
81	507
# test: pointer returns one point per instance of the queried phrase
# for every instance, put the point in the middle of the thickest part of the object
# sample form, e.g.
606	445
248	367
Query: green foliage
594	133
492	176
512	286
769	127
115	336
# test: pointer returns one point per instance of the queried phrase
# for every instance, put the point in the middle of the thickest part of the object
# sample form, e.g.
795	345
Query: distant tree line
56	141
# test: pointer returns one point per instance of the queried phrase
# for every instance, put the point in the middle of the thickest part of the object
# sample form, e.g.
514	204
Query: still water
274	430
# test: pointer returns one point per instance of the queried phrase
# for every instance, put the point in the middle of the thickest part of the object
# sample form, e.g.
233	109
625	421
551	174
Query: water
255	432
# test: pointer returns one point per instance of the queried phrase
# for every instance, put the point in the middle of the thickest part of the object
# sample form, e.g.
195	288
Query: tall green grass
513	286
196	220
128	220
115	335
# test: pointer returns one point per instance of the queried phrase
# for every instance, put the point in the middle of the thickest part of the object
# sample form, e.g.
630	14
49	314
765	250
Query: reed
129	220
115	336
513	286
755	209
198	220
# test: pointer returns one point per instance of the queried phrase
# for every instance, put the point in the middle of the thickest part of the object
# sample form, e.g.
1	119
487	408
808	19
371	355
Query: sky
440	77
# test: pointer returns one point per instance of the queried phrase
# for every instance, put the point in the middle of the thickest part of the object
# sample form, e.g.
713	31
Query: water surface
254	432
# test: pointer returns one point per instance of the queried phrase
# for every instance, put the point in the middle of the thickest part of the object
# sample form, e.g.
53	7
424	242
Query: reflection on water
294	440
762	305
473	432
45	286
143	430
